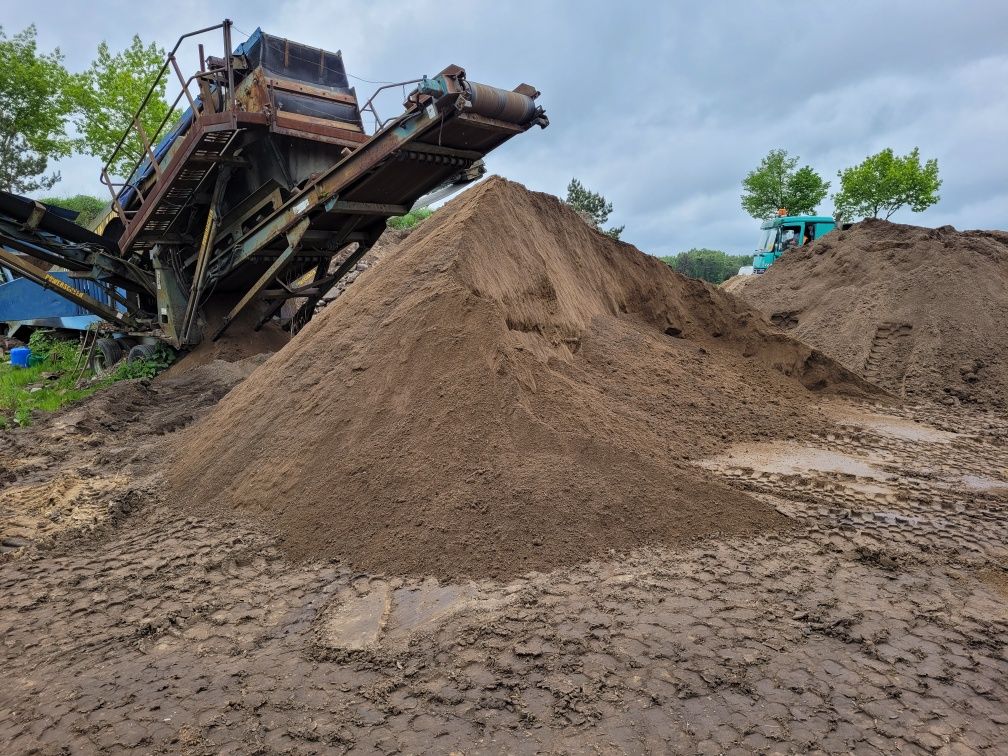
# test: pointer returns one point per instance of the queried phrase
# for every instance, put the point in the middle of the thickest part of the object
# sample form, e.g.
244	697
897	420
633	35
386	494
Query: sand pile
736	283
239	342
922	312
511	390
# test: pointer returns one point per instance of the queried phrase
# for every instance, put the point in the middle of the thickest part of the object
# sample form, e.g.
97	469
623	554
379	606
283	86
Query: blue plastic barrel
19	356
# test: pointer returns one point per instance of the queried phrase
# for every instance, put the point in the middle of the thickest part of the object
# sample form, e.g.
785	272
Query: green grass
26	390
18	400
411	219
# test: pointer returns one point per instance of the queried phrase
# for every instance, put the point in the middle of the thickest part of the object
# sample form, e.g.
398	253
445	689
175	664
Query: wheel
141	352
107	353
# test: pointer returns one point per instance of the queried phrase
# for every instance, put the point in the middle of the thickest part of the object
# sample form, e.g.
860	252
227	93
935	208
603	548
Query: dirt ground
876	623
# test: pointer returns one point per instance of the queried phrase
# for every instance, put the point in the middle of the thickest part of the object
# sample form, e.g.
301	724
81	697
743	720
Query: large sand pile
511	390
922	312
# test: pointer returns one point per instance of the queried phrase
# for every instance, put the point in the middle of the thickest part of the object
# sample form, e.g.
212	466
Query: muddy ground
877	623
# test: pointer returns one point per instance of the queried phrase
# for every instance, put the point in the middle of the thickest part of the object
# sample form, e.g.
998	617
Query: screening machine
267	189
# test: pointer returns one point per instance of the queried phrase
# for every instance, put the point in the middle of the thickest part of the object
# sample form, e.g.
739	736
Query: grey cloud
663	107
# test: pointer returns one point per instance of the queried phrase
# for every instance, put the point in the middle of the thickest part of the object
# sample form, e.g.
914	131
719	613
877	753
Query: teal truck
786	231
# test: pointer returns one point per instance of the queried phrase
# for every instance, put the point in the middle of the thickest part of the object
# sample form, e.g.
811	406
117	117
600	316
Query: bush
411	219
126	370
89	209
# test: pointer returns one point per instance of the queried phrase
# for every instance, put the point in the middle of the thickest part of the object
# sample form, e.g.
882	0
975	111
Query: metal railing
369	105
117	188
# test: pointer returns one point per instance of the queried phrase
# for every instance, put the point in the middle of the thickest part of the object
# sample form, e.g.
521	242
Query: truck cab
786	231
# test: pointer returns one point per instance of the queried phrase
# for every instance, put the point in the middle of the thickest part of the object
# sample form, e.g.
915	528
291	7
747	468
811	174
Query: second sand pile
509	390
921	312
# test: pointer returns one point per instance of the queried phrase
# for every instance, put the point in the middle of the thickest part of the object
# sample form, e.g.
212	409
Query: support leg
293	241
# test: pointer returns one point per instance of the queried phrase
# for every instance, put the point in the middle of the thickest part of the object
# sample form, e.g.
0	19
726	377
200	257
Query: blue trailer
26	306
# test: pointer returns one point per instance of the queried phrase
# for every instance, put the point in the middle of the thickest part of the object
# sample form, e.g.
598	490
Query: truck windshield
769	239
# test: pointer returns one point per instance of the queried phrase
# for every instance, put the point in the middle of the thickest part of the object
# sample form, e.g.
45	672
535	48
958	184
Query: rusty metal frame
293	241
203	255
408	128
304	312
170	61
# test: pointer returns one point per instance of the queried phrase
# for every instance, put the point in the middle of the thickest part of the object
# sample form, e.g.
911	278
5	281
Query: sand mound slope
239	342
736	283
510	391
921	312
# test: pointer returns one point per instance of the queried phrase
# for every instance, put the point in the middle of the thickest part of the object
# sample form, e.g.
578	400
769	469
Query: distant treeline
708	264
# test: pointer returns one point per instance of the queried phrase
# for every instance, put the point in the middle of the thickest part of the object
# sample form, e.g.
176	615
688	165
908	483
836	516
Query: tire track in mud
848	633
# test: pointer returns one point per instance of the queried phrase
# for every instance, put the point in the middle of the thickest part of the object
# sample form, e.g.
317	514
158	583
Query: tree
776	184
884	183
109	94
88	208
592	204
34	107
710	265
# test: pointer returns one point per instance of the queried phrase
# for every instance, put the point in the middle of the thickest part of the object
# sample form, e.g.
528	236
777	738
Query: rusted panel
300	125
365	208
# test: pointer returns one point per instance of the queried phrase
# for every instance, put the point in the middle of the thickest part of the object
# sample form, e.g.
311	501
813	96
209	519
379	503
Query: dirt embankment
511	391
921	312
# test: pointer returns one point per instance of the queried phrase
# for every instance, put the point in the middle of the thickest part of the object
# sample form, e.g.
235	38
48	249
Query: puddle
895	427
983	483
793	459
388	613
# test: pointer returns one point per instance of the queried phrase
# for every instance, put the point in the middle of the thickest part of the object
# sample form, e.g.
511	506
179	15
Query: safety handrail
136	125
369	105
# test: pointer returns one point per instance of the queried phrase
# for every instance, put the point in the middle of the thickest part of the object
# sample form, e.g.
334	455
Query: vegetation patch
411	219
89	209
58	375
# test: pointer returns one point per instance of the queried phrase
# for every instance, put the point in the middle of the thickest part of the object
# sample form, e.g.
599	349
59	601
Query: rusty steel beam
305	311
286	293
364	208
202	256
41	253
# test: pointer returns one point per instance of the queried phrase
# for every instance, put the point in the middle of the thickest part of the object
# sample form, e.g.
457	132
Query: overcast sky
663	107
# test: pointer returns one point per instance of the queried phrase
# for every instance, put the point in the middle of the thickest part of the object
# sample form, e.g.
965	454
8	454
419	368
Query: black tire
141	352
107	353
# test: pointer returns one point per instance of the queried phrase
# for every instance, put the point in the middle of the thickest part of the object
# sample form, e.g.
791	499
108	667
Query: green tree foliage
594	205
88	208
108	95
34	108
708	264
884	183
776	184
